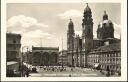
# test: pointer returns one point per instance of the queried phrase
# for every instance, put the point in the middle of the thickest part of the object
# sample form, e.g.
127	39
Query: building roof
115	46
13	34
45	48
106	39
107	48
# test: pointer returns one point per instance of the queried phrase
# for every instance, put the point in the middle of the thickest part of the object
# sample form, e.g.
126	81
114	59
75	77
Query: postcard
71	40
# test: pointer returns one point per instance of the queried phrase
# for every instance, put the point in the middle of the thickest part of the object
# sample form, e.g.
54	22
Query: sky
46	24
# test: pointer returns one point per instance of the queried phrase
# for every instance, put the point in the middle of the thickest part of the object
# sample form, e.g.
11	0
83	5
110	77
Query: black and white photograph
81	39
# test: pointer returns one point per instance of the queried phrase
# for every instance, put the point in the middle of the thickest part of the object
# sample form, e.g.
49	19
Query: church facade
80	48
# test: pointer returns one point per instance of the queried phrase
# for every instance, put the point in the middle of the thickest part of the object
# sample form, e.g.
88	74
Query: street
77	72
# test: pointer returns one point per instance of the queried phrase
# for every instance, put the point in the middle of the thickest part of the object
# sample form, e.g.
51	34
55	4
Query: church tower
87	33
70	42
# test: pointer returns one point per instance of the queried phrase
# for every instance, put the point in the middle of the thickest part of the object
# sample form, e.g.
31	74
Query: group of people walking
25	71
53	68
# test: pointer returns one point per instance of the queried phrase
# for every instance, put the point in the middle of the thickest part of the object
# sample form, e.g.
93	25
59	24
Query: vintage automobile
34	69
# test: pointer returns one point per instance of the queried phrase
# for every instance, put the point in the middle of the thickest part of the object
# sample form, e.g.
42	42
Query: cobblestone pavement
77	72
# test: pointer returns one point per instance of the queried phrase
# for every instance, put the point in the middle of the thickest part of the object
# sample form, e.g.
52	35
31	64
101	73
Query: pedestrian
71	69
69	75
27	72
23	73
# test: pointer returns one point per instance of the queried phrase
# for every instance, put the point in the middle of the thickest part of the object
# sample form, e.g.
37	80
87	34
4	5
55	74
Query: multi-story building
62	59
106	48
13	44
107	58
86	51
27	57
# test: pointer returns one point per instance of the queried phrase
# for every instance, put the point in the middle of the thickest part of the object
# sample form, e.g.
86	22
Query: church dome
87	9
105	28
107	23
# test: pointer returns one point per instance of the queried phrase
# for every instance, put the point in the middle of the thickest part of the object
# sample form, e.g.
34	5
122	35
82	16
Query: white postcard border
123	42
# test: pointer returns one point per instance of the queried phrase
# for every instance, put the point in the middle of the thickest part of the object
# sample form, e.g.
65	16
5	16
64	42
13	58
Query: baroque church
80	48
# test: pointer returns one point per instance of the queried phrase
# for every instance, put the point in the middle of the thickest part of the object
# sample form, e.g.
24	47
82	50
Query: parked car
34	69
16	73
